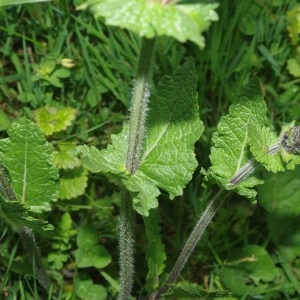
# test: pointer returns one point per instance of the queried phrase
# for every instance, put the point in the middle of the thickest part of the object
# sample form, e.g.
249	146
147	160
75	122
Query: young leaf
73	183
231	142
168	159
154	18
294	24
66	157
51	119
86	289
28	158
89	253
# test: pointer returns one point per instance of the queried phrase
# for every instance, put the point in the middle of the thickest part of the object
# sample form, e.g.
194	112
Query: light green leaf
85	289
5	122
66	157
153	18
155	251
294	24
168	159
62	73
231	143
260	138
89	253
51	119
293	67
110	160
247	269
73	183
92	256
28	158
144	192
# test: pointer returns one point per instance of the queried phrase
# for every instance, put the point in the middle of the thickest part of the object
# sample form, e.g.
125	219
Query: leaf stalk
193	240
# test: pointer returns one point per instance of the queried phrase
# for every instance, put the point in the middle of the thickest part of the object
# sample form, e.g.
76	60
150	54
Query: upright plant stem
126	246
193	240
139	105
138	114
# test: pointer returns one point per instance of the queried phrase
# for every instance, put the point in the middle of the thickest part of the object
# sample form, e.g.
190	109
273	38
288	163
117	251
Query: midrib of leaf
243	147
24	175
162	132
154	145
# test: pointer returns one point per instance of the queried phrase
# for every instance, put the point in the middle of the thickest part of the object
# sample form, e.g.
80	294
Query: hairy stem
26	234
193	240
138	114
139	105
126	246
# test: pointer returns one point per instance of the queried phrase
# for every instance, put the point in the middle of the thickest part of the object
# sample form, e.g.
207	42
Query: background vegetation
55	56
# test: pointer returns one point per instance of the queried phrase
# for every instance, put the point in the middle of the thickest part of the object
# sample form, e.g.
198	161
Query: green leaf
57	260
168	159
189	290
231	143
144	192
18	216
62	73
153	18
4	121
293	67
85	289
110	160
294	24
51	119
28	158
73	183
89	253
173	128
280	193
155	252
64	228
260	138
248	271
53	80
66	157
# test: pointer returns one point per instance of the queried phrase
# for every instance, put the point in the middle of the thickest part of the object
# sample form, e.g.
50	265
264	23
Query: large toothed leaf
173	128
28	158
231	142
153	18
168	160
